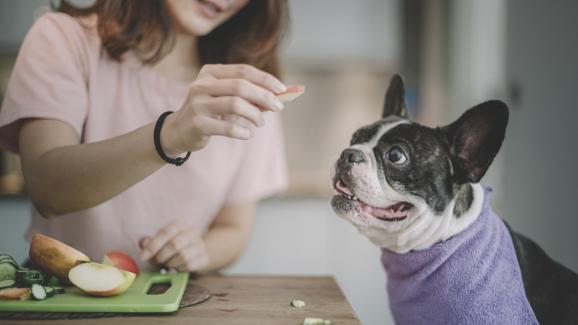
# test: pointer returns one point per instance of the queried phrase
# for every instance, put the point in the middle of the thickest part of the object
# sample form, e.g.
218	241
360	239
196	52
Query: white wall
533	45
477	68
541	153
333	30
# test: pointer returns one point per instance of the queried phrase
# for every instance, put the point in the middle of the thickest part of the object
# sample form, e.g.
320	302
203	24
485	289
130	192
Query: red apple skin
121	260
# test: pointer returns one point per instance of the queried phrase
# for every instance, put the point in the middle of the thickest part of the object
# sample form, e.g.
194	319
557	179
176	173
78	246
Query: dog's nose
353	156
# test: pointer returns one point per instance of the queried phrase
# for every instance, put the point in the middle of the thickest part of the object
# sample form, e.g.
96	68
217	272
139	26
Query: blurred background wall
453	54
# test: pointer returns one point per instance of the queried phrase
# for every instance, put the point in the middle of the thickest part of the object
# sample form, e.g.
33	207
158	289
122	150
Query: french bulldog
414	192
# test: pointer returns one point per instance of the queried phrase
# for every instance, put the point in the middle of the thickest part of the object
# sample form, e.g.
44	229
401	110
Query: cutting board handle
159	285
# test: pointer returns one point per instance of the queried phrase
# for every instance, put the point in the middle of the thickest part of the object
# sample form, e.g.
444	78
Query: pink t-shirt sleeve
48	79
262	171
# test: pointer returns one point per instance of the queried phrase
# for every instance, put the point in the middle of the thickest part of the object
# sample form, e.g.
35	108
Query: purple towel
471	278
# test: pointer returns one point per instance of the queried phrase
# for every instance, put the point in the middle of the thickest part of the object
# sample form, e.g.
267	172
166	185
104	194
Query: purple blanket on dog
471	278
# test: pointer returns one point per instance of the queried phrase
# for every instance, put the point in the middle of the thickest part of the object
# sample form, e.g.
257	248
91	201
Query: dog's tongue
342	187
391	212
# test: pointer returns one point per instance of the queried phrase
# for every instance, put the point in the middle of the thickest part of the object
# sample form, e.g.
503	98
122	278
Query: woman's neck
182	63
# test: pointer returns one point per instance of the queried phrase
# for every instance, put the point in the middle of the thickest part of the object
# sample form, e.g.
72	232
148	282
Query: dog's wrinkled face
399	182
393	169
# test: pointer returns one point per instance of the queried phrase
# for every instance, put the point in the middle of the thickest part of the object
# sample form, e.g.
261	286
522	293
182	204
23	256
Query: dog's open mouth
395	212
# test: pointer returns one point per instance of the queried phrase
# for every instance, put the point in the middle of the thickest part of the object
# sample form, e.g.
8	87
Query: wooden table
247	300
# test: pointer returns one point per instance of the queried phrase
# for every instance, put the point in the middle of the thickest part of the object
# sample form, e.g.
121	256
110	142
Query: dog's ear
395	98
475	139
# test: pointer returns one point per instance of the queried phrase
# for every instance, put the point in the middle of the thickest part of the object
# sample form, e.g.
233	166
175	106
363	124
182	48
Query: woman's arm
228	235
64	176
181	246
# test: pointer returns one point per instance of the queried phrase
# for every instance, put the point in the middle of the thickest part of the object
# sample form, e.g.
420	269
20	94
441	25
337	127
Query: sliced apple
100	279
292	92
121	260
54	256
15	294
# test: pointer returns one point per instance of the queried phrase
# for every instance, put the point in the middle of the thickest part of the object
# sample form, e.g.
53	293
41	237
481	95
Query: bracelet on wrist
157	141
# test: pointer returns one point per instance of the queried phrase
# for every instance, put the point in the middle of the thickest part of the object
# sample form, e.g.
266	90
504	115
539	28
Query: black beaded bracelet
157	139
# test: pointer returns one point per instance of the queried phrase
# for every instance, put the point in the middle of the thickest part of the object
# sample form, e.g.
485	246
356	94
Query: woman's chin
197	26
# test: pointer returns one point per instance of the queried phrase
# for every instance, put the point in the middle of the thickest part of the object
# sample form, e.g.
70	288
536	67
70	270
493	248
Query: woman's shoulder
65	36
75	31
80	23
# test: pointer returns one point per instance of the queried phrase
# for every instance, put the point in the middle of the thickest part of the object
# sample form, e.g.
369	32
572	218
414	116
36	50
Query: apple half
121	260
100	279
54	256
15	293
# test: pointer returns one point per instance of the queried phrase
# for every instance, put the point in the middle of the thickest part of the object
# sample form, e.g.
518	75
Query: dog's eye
396	156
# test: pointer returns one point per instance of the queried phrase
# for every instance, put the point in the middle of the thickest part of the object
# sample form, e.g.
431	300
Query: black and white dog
414	192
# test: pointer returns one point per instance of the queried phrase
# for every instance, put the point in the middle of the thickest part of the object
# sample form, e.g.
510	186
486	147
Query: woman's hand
177	246
217	98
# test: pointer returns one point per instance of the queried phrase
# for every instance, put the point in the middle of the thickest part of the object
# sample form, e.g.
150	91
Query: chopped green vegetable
9	259
7	284
316	321
38	292
27	278
297	303
49	291
53	282
7	271
58	290
11	274
5	256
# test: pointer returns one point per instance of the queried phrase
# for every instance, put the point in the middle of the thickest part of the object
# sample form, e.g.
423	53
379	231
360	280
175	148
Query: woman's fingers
144	242
173	246
221	101
214	126
230	105
244	71
176	246
192	258
161	238
241	88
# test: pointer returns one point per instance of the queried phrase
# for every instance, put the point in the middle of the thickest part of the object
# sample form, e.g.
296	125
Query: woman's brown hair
251	36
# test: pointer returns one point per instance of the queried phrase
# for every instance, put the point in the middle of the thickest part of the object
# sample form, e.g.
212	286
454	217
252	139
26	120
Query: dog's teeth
354	198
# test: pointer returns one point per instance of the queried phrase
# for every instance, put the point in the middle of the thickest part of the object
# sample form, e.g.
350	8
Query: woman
83	102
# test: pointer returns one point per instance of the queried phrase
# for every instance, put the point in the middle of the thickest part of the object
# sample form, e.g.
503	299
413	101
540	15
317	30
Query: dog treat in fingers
292	92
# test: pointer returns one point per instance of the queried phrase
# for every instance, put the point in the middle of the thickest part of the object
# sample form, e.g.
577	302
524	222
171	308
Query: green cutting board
134	300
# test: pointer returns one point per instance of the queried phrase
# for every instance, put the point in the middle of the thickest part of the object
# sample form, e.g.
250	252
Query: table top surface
248	300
